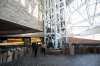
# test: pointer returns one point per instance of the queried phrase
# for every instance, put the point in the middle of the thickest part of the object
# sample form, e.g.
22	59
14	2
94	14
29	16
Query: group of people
36	48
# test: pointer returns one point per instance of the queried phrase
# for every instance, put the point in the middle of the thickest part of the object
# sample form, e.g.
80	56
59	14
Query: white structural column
55	21
44	17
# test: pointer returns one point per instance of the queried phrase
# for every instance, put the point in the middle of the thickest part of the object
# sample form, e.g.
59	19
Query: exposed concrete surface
12	10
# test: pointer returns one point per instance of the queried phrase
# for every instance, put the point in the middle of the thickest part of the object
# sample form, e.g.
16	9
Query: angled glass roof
82	15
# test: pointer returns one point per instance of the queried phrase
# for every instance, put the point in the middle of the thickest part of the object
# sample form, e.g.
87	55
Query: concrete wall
23	12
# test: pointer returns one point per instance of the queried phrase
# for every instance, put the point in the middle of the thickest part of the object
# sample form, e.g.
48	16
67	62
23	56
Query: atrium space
49	32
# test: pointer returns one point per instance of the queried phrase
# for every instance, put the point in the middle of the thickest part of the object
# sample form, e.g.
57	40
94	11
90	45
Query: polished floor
57	60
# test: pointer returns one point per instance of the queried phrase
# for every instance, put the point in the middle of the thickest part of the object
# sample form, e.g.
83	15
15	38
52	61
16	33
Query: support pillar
71	49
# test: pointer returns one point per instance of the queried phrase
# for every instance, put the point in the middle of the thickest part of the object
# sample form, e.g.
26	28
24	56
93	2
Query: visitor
35	49
43	49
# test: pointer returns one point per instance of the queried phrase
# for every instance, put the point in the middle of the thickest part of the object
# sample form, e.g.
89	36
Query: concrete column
71	49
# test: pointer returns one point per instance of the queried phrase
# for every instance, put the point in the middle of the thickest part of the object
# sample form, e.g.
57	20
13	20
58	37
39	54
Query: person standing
35	49
43	49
